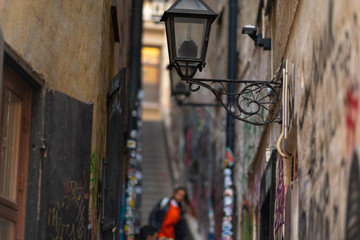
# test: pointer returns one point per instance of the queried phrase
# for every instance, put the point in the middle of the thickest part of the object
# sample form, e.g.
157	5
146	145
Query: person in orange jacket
168	216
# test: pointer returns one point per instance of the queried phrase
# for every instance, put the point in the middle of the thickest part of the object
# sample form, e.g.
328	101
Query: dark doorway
267	199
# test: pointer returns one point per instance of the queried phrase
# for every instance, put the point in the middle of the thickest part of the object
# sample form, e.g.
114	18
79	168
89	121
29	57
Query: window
151	74
14	144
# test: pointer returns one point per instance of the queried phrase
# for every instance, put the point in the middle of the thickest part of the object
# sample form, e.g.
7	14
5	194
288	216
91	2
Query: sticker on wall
228	192
228	197
131	144
229	159
133	185
227	172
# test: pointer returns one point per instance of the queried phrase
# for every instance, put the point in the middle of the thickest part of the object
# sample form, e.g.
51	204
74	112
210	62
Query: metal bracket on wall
259	41
254	102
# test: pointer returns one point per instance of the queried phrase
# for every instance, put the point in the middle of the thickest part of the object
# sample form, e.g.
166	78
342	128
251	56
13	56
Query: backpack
158	213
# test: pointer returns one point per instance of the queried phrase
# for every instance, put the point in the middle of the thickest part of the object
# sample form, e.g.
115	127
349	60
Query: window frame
15	211
159	74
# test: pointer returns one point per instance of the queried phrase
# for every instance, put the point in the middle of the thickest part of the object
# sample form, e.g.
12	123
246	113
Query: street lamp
188	24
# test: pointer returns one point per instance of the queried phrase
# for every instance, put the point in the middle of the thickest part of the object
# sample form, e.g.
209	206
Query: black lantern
188	25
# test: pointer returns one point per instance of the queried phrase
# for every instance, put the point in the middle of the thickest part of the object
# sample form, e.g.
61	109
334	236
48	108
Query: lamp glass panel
190	4
189	37
169	40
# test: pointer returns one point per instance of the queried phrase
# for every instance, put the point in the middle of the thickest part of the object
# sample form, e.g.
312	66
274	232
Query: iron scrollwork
254	102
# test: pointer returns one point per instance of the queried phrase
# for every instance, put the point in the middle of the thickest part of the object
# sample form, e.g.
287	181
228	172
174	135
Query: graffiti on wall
188	147
246	221
248	147
75	199
334	60
315	223
333	73
65	193
247	152
94	176
352	113
317	212
279	198
94	179
198	162
323	58
217	195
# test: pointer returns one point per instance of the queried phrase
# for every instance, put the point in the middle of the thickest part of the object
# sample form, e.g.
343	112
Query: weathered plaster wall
321	42
325	89
217	67
1	54
251	141
70	44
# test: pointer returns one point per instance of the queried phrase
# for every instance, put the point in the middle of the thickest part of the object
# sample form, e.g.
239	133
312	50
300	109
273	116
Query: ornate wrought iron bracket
254	102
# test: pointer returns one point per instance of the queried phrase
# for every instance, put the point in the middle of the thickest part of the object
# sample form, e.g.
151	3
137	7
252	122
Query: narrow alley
156	181
241	118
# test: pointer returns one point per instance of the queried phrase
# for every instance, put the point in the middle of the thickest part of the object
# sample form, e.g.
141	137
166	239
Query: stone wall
71	46
320	41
